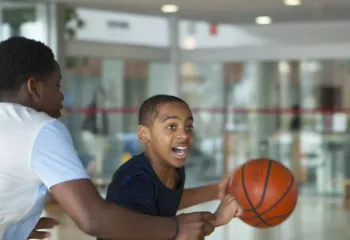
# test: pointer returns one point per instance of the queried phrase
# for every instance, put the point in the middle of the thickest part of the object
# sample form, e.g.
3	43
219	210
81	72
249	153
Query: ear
143	134
33	88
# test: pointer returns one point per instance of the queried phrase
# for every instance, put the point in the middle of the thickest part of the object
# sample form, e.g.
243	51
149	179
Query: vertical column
291	98
261	125
175	61
284	70
55	32
164	77
112	81
289	79
42	23
235	146
213	86
157	83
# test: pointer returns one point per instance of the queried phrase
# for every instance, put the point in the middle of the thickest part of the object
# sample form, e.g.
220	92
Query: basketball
267	191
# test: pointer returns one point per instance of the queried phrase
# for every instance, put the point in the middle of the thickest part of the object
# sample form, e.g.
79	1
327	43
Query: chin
178	163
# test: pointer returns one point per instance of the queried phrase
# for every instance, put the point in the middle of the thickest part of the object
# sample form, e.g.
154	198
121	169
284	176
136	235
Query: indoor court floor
314	218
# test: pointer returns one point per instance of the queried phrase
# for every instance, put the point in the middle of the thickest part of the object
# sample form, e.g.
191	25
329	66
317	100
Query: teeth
181	148
180	153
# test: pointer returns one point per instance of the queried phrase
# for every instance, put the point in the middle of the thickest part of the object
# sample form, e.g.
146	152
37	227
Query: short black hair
149	108
22	58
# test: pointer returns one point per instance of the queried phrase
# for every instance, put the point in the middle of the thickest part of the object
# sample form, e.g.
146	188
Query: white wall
142	30
153	31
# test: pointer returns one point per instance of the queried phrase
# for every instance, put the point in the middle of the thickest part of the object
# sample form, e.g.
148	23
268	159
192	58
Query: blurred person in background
95	132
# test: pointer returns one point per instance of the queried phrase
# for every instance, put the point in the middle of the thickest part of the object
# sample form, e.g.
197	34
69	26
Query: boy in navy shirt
153	182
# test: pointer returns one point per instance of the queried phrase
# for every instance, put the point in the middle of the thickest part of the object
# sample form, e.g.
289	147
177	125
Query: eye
171	127
189	128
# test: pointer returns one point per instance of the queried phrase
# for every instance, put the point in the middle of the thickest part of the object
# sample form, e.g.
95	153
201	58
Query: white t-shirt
36	153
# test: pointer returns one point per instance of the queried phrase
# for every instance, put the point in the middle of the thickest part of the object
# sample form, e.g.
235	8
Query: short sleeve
54	158
136	193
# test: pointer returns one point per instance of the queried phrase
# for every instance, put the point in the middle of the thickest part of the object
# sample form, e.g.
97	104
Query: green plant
71	16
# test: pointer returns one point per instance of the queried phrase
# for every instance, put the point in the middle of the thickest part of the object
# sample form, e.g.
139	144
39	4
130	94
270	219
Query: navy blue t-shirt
137	187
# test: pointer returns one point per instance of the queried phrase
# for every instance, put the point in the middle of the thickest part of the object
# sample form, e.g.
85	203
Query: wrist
217	222
177	229
215	190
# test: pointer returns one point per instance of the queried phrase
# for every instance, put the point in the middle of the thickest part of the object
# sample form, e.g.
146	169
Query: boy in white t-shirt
37	156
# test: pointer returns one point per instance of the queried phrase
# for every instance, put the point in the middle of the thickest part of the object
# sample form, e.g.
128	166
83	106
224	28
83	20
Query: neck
10	97
165	172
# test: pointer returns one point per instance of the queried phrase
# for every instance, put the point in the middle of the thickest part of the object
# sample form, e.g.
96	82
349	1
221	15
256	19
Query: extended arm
96	217
194	196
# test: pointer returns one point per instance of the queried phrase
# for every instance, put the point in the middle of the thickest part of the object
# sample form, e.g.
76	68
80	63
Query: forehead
177	109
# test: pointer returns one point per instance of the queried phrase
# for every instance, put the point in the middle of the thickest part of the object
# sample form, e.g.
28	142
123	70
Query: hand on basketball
44	223
228	209
194	225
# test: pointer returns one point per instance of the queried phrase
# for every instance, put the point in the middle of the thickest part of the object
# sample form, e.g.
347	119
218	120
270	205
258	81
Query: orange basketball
267	191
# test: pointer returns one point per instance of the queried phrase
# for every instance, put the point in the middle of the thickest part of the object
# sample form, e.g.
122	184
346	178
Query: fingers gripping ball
266	190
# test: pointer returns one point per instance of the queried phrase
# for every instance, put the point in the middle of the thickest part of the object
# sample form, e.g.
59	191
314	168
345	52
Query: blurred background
265	78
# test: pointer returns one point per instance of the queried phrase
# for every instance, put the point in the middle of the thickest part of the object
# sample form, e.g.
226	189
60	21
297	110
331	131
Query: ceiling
230	11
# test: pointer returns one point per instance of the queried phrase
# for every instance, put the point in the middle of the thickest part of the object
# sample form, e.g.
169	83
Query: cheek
51	93
57	96
161	138
53	101
190	139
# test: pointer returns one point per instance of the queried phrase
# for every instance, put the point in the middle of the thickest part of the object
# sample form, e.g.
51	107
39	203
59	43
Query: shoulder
53	157
31	117
133	187
134	175
134	169
54	127
53	134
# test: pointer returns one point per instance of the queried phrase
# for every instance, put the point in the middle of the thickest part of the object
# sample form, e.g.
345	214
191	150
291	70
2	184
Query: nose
183	134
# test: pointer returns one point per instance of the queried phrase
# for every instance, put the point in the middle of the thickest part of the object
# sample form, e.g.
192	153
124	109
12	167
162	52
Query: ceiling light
171	8
263	20
292	2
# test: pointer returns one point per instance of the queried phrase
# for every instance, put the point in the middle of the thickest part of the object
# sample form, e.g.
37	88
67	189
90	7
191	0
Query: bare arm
194	196
80	199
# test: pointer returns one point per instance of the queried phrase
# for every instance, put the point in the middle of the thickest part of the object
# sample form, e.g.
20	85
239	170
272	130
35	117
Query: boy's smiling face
170	136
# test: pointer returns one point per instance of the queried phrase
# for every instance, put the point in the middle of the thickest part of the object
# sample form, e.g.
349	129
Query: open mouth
180	151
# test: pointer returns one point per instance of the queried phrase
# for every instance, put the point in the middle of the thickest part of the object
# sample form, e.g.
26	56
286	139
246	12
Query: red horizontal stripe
213	110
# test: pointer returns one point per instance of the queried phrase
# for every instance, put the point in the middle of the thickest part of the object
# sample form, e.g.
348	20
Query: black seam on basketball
272	218
248	199
265	184
277	202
